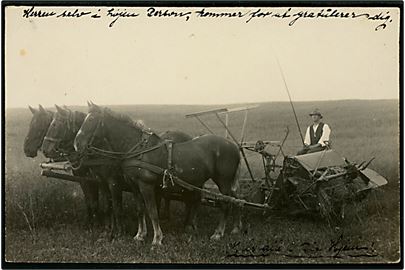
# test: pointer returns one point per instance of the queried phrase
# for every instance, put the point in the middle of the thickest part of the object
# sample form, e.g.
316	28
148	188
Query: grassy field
45	218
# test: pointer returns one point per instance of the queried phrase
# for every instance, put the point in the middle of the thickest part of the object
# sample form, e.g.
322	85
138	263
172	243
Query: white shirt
324	137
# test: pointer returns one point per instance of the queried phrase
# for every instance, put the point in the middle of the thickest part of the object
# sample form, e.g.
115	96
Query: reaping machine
323	182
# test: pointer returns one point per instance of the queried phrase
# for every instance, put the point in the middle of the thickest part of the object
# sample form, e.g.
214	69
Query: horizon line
212	104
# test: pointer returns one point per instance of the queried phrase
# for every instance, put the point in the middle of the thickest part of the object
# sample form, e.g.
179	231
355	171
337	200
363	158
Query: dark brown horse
39	125
58	145
41	119
195	161
59	139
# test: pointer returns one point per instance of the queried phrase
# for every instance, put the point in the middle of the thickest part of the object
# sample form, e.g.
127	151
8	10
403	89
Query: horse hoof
111	237
216	236
139	238
156	246
189	229
235	230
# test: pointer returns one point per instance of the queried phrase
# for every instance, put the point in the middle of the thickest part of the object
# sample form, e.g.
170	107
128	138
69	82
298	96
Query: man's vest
315	136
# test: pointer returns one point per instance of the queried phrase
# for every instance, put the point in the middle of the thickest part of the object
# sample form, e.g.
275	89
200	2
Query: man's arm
307	140
325	135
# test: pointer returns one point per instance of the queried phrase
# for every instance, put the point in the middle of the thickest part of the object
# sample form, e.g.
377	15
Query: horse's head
40	122
90	128
57	133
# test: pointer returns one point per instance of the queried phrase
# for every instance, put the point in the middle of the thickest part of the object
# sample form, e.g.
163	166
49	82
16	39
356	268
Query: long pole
242	134
292	105
202	123
226	123
240	147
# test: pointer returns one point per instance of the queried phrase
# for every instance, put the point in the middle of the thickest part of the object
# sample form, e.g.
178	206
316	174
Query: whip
292	105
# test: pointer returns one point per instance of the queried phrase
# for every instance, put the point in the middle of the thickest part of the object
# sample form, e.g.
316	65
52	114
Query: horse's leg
220	230
116	194
120	219
194	210
226	207
163	213
90	192
166	210
158	201
193	202
148	193
140	206
237	224
107	209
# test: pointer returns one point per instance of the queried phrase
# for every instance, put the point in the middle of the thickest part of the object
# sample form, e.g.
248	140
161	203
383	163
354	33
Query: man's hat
316	112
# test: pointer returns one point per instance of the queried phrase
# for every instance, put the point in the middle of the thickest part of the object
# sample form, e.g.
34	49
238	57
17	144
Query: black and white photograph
218	134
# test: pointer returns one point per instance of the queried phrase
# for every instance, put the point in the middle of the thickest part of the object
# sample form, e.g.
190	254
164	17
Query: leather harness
133	158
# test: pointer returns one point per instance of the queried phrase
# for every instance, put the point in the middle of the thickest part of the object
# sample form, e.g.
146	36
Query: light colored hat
316	112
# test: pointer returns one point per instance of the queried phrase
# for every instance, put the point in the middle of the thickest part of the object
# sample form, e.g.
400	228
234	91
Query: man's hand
314	146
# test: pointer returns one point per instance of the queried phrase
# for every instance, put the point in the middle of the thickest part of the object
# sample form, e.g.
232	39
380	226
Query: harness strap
144	165
144	140
220	197
136	154
136	146
46	138
98	162
122	155
169	146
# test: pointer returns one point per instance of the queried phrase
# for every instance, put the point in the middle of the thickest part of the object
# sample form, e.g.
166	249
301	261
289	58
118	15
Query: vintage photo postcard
153	134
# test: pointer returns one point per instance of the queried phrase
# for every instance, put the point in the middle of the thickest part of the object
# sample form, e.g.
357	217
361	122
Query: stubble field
45	218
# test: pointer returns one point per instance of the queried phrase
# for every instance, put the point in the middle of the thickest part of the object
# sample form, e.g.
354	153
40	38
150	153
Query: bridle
135	151
41	133
71	126
99	125
56	140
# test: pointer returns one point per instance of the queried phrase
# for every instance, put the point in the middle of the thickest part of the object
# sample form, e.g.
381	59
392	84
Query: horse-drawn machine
108	151
323	181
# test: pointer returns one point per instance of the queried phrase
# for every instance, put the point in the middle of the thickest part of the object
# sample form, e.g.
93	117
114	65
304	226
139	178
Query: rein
121	155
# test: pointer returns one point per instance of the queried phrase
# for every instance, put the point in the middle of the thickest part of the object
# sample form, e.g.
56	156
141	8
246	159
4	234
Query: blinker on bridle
100	123
71	124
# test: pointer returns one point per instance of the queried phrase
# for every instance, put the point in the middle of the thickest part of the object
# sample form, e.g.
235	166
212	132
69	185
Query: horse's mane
123	118
50	114
127	120
70	113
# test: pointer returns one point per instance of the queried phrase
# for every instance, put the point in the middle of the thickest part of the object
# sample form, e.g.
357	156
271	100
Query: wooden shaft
214	195
56	166
67	177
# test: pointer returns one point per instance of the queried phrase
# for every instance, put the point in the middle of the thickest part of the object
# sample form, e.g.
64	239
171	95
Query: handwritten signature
337	248
382	18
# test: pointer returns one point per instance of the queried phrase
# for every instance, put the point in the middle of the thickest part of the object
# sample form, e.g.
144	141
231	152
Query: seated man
317	135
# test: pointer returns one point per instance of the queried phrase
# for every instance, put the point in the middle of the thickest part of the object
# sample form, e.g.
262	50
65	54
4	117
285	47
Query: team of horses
121	154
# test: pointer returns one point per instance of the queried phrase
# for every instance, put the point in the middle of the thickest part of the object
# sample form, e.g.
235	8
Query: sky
212	61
